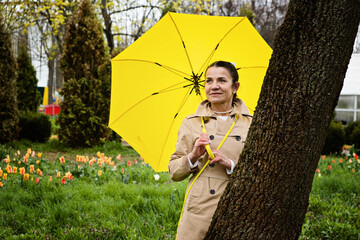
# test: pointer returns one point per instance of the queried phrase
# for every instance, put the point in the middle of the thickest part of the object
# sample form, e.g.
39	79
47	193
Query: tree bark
268	193
51	80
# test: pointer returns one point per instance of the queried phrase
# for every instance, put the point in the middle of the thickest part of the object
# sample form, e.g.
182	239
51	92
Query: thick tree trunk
267	196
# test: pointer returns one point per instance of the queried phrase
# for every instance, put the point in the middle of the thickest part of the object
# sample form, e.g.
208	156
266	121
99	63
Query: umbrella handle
207	146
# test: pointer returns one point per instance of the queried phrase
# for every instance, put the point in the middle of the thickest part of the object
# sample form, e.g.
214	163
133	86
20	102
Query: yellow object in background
46	96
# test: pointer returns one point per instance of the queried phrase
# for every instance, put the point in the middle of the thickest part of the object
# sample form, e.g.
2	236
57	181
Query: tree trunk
268	193
59	76
51	80
107	25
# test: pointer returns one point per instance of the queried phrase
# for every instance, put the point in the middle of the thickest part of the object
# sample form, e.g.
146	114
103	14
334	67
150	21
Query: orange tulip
58	174
318	170
122	170
129	163
99	172
329	167
1	184
1	172
37	162
26	176
28	151
62	159
63	181
8	169
22	171
37	180
50	178
39	155
5	176
14	169
135	161
68	175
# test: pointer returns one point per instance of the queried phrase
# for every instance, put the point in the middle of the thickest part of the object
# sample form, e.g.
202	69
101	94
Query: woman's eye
208	80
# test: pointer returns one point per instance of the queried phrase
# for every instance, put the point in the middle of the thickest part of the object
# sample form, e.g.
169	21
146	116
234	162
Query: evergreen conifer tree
84	112
28	97
8	106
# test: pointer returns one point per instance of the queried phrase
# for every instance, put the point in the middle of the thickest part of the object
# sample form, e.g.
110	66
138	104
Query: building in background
348	107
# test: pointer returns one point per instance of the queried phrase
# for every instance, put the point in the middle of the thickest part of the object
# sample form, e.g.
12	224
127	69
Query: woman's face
219	87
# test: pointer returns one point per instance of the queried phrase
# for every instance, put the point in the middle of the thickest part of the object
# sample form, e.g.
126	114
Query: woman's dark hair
230	67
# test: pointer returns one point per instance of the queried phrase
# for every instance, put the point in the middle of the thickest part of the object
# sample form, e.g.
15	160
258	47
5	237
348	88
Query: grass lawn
108	192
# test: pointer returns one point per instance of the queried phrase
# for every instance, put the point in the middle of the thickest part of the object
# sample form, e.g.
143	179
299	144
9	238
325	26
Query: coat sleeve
179	167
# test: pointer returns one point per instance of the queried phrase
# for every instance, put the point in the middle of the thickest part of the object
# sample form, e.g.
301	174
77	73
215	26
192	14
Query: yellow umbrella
158	80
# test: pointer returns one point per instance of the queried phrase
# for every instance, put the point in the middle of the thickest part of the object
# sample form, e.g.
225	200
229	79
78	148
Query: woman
219	112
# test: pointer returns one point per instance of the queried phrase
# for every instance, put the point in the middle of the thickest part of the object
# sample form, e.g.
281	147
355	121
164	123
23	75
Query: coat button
238	138
212	191
211	137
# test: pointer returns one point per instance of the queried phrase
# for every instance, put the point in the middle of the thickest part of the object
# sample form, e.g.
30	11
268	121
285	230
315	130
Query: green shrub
8	107
352	134
85	109
335	138
34	126
28	97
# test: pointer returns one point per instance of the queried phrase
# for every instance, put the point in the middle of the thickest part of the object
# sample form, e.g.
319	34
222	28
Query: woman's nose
215	85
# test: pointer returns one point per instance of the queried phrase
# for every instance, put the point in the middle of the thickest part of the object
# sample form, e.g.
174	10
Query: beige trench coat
204	195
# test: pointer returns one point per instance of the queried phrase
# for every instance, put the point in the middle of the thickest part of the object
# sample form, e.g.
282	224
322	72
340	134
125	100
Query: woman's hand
199	147
219	158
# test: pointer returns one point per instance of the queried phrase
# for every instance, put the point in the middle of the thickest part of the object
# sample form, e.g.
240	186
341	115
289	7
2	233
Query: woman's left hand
221	159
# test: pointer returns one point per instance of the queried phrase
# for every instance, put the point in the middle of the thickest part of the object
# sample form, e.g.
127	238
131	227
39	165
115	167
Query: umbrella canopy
158	80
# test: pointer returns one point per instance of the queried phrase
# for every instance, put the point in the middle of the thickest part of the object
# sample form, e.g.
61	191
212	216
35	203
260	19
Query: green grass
122	203
128	203
334	209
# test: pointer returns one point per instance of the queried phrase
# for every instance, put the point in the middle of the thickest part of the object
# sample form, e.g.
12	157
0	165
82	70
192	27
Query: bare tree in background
269	14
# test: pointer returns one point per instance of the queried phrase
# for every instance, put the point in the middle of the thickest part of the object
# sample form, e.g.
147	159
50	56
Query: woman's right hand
199	147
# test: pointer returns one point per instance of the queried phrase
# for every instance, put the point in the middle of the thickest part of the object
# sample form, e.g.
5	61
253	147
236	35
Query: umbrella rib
173	70
172	123
217	45
155	93
183	43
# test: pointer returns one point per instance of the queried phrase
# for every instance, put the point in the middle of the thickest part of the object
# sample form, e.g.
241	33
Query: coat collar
204	109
